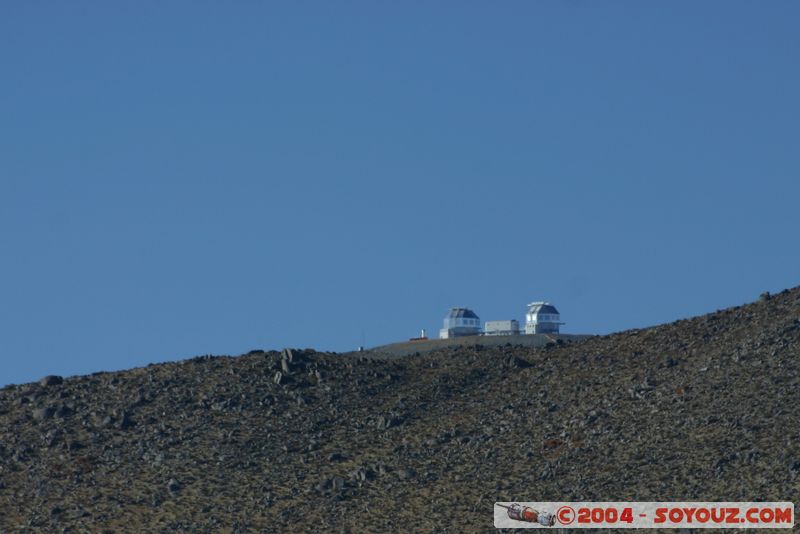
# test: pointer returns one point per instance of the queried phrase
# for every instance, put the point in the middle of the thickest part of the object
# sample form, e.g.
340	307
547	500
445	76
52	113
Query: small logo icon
528	514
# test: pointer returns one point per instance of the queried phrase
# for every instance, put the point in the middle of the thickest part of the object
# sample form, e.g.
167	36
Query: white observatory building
542	318
460	322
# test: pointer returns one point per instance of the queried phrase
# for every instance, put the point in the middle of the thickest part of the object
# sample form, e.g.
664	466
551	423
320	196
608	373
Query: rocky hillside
705	408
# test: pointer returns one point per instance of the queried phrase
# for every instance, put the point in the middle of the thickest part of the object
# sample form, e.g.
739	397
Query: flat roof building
501	328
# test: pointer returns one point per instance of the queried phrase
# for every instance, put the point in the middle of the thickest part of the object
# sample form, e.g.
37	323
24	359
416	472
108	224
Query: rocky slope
704	409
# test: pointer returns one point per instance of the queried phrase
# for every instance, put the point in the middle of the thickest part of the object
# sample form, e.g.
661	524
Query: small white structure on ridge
501	328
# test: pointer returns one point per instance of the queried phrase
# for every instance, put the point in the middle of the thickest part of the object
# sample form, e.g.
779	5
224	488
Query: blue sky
183	178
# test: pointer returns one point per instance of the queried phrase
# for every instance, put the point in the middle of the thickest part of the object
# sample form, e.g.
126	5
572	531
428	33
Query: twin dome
541	318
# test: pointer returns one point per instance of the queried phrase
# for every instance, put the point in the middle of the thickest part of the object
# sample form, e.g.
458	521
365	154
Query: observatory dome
542	318
460	322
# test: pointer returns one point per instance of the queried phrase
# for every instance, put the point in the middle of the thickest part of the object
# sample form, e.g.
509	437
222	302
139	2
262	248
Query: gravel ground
699	409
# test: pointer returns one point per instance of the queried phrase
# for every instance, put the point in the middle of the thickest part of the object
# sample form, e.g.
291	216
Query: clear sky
185	178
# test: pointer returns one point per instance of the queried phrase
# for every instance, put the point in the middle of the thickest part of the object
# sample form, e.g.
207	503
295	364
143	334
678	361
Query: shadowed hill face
701	409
